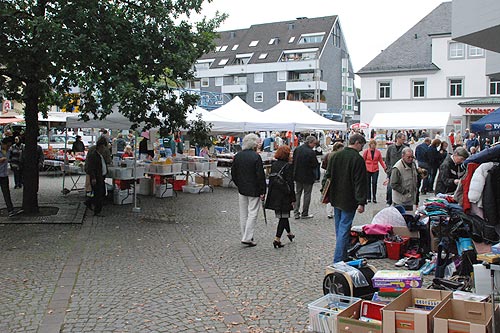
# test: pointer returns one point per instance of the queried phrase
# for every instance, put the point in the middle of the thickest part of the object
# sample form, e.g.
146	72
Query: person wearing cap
78	145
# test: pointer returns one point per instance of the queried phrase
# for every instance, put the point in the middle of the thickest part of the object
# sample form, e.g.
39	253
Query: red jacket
372	164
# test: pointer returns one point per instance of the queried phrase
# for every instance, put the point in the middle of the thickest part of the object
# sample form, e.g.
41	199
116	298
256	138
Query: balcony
234	89
306	85
312	105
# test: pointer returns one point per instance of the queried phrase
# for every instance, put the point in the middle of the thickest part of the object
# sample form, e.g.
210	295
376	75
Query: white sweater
477	183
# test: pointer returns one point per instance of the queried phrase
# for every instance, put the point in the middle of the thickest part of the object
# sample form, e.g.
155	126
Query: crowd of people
351	174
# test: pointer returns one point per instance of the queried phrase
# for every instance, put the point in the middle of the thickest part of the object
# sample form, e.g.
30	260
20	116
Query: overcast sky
369	25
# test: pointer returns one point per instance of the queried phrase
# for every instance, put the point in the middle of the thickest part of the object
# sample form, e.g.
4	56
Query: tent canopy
237	110
219	124
114	121
296	116
411	120
488	125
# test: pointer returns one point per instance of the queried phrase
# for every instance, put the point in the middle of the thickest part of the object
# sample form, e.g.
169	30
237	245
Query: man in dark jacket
451	171
422	156
347	191
96	169
248	175
305	165
78	145
392	156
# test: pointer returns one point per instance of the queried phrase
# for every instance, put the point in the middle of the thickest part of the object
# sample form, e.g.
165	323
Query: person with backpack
281	195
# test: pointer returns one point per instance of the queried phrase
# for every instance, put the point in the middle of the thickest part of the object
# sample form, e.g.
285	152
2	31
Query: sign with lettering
478	111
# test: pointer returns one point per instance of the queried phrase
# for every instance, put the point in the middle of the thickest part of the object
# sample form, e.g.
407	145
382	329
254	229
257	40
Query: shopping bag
325	198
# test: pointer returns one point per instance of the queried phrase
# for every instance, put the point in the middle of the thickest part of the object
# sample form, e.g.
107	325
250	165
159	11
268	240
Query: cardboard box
459	316
211	181
397	320
405	232
348	321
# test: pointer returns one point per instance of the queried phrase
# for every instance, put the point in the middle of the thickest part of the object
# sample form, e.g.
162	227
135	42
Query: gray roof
482	101
263	33
413	50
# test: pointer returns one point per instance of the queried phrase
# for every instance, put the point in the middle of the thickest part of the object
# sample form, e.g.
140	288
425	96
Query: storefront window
495	87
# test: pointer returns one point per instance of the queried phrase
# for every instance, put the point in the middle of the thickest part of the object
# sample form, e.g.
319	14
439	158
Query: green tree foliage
199	132
117	52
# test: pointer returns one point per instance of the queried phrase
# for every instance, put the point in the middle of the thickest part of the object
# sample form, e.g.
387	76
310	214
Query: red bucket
395	250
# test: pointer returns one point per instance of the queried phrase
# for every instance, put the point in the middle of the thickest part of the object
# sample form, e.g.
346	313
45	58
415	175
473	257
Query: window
241	61
217	49
271	41
282	76
223	62
258	78
240	80
475	51
384	90
311	38
456	50
235	47
253	43
494	87
205	81
418	88
223	48
291	40
219	81
350	84
345	65
202	66
258	97
456	87
263	56
281	95
299	55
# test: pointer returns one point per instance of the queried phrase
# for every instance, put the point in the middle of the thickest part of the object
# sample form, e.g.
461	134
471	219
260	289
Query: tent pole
135	209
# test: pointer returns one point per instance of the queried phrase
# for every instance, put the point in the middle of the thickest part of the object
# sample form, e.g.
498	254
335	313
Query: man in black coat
305	165
451	171
248	175
96	169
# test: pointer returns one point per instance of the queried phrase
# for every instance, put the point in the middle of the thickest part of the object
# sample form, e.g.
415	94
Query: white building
426	71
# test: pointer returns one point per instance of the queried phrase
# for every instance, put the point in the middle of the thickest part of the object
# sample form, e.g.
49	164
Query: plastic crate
176	167
395	250
323	312
191	188
202	166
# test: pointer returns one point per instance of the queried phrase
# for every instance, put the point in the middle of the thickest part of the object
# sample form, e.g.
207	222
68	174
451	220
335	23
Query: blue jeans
343	223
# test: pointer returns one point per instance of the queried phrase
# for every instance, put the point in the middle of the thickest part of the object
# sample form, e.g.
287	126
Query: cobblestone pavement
177	266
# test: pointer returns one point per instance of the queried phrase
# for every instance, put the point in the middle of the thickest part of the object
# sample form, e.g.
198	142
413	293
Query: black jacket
248	173
448	172
78	147
491	203
93	166
305	164
276	199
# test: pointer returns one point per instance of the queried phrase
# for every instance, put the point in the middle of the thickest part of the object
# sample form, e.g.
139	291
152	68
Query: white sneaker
401	262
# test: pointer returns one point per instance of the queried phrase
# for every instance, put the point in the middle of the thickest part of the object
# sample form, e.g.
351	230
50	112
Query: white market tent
219	124
114	121
411	120
242	116
296	116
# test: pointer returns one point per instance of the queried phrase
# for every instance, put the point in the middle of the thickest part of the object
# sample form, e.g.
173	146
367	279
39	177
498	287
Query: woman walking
373	157
15	156
281	194
337	146
434	157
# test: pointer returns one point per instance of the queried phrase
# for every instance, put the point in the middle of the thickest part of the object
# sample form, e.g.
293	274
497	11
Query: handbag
325	198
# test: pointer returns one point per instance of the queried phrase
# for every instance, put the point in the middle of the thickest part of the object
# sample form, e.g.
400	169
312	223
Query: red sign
479	111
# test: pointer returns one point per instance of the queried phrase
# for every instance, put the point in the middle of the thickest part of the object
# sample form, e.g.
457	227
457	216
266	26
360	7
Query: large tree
117	52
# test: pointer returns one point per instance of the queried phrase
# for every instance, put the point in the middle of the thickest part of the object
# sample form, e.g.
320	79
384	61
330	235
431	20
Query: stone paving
177	266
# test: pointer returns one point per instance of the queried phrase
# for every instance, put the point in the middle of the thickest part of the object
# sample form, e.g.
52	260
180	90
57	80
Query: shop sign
478	111
7	106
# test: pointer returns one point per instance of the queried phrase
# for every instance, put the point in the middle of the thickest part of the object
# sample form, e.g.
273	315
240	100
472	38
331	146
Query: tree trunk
30	170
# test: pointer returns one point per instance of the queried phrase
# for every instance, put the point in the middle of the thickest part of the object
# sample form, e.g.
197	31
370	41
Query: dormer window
242	59
253	43
311	38
203	64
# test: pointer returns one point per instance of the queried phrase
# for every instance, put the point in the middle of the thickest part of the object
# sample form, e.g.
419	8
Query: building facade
425	70
302	60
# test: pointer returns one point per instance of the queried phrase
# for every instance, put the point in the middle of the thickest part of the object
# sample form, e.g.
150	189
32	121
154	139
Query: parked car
57	141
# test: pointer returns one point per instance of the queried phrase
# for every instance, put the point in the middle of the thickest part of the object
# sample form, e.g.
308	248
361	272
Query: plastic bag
358	279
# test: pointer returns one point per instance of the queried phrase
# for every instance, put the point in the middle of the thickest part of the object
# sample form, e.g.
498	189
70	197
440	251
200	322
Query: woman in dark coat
280	197
434	158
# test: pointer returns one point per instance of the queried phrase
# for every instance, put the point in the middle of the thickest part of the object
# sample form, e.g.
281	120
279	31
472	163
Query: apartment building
425	70
301	60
